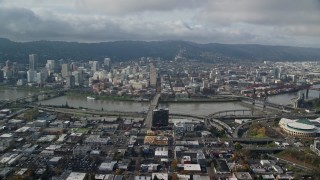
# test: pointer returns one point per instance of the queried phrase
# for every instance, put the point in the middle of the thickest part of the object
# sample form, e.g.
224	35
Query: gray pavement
153	105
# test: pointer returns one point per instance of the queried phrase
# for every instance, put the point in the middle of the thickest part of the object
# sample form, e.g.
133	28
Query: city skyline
159	89
288	22
178	119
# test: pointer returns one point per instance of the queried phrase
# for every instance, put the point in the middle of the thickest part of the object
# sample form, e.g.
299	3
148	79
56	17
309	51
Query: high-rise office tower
70	81
107	61
95	66
51	66
277	72
31	76
65	70
33	62
7	74
160	117
73	66
153	75
78	77
107	64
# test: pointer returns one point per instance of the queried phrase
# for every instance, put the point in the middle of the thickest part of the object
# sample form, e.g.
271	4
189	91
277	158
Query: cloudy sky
271	22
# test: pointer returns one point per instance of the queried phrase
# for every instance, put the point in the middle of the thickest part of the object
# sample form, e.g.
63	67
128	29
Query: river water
107	105
128	106
285	99
12	94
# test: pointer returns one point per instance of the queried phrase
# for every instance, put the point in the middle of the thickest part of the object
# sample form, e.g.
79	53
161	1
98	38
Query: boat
90	98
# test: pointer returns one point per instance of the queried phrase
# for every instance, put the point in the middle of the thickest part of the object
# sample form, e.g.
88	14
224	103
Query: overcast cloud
273	22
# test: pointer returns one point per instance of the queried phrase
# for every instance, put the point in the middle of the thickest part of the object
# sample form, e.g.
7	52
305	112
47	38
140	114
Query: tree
118	171
174	164
174	176
17	177
91	177
217	133
237	146
262	131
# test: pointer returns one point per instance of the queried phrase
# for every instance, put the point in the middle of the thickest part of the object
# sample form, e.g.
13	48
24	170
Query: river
128	106
107	105
285	99
13	93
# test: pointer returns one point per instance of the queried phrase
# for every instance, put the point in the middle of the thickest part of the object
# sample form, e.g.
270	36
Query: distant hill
126	50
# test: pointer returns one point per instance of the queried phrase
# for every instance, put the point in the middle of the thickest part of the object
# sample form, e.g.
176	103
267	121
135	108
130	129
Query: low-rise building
192	167
77	176
242	175
160	176
107	166
315	147
161	152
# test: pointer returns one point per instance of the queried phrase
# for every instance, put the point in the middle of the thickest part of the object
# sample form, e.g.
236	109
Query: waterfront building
22	75
39	78
160	117
10	70
195	88
300	127
31	76
70	81
205	83
78	78
42	76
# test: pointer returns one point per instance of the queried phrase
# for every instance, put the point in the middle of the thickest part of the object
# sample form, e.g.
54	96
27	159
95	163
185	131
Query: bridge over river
265	103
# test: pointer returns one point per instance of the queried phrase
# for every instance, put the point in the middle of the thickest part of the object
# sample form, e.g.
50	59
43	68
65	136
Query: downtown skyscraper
153	74
33	62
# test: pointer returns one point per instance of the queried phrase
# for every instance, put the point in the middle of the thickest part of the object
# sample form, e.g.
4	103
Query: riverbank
209	100
25	88
102	97
88	111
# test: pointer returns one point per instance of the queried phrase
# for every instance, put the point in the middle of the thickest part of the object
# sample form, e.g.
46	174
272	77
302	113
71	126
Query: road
289	162
153	105
90	111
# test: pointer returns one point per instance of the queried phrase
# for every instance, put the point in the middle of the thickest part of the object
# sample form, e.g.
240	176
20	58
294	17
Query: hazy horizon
272	22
